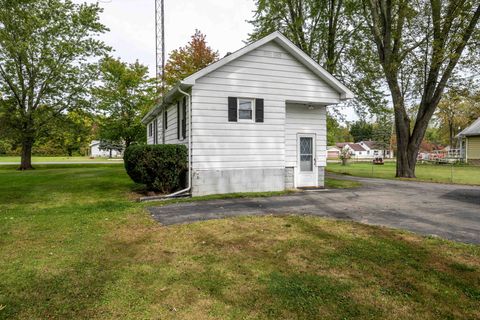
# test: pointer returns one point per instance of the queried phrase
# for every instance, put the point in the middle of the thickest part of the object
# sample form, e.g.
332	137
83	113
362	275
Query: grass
458	174
74	246
331	183
52	159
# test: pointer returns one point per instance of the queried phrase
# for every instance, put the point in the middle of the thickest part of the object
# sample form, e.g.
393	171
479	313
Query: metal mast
160	43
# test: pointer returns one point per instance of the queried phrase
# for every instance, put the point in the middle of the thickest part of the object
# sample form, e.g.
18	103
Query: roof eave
169	98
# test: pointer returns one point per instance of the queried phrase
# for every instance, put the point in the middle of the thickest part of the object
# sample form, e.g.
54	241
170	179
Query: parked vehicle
378	160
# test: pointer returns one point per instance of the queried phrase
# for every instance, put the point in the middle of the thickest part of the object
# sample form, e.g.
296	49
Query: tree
457	110
419	45
67	134
125	94
46	51
361	131
382	132
187	60
335	131
451	115
110	146
331	33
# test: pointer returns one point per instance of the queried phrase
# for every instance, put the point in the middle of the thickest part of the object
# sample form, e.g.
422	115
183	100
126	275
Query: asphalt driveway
447	211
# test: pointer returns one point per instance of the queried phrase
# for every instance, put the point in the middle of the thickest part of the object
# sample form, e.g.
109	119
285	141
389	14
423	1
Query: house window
245	109
150	129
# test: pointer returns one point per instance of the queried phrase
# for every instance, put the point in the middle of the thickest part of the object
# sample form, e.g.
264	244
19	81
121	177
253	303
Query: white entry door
307	169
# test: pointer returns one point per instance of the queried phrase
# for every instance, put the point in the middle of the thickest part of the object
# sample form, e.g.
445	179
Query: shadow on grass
288	267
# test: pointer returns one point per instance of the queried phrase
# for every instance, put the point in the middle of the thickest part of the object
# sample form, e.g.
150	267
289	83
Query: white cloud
132	25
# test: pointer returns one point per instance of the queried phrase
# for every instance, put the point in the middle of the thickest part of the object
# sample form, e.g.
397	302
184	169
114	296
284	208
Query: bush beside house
160	167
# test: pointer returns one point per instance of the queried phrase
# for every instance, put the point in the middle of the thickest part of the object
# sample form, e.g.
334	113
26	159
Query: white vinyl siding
161	124
171	134
150	136
268	73
473	148
302	120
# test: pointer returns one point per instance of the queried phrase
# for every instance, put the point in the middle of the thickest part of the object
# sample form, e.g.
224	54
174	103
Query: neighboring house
333	152
364	149
374	149
470	143
355	149
96	152
253	121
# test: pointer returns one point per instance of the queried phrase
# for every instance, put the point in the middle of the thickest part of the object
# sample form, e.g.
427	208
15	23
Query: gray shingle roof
354	146
472	130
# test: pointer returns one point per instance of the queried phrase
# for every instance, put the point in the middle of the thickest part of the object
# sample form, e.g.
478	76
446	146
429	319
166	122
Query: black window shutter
258	110
165	119
155	131
184	118
232	109
178	120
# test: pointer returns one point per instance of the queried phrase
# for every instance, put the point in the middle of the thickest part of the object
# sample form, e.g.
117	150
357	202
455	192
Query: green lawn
73	245
52	159
461	174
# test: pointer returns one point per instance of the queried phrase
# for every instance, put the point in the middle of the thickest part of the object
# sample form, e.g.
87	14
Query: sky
132	27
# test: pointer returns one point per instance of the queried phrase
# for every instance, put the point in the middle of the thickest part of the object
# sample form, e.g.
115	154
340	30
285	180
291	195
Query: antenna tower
160	43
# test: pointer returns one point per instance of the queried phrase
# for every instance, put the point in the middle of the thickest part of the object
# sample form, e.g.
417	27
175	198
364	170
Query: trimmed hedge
160	167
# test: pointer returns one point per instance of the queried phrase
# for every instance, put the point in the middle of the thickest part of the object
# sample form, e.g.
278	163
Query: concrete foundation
289	178
321	176
206	182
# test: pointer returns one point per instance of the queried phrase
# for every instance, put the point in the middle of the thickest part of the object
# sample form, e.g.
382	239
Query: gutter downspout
189	185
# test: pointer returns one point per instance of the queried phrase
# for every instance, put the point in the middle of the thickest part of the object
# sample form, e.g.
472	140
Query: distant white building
364	150
373	149
96	152
333	152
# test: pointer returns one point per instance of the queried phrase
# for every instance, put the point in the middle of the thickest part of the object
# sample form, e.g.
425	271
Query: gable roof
353	146
472	130
370	144
279	39
356	147
332	148
291	48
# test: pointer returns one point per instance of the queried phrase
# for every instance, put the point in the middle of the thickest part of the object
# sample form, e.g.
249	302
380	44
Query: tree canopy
331	32
124	95
187	60
361	130
47	49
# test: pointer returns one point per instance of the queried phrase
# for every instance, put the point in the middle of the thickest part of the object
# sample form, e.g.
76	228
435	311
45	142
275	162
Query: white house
355	150
374	149
96	152
253	121
364	149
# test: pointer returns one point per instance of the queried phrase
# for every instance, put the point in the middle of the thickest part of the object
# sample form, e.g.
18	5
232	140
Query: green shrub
160	167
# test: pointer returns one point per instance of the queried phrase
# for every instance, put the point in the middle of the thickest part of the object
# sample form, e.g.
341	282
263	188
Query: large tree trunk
407	153
26	158
407	144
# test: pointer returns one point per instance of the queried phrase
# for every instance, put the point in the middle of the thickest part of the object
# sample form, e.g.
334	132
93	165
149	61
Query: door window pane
306	163
305	145
306	154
